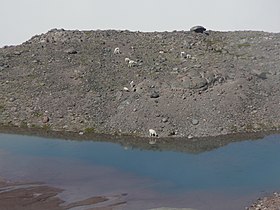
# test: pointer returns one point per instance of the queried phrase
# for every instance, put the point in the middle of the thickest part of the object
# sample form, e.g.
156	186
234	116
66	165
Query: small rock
195	121
154	95
13	109
35	61
45	119
71	51
12	99
190	136
81	133
171	133
165	119
65	127
17	53
126	89
262	75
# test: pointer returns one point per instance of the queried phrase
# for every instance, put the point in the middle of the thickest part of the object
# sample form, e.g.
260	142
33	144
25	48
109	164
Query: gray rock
198	83
12	99
195	122
262	75
3	66
171	133
13	109
71	50
45	119
165	119
17	53
198	29
154	95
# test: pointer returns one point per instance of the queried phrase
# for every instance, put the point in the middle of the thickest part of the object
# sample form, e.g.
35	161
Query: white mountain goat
152	133
132	85
184	55
117	50
131	63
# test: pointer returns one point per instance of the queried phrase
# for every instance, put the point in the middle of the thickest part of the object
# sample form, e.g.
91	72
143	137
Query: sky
22	19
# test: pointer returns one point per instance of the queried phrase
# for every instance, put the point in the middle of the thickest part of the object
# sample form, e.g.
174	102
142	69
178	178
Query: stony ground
184	83
267	203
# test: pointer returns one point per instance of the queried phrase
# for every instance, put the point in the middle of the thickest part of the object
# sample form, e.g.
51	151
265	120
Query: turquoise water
245	169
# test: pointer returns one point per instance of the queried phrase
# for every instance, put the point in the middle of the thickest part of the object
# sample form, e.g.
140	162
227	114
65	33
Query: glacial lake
228	177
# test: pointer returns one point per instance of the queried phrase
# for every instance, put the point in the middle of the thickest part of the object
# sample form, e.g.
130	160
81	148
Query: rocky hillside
178	83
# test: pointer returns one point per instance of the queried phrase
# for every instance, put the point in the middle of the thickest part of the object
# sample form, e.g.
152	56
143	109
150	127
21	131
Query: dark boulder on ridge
198	29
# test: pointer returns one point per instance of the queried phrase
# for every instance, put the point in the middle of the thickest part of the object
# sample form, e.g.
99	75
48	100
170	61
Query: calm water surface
230	177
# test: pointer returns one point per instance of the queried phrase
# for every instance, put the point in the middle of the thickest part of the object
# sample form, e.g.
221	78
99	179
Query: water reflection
129	143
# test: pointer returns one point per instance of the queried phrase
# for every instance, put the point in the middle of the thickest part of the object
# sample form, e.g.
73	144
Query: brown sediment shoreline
179	144
37	196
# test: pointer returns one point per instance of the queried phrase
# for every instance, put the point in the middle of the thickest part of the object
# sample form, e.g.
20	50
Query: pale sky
22	19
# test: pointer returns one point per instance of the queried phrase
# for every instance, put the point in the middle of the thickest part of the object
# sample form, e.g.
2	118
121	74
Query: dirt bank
184	83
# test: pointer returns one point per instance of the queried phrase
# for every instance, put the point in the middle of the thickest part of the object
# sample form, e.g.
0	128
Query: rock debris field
180	83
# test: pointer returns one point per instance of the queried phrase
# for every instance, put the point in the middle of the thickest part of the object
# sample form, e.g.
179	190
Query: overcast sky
21	19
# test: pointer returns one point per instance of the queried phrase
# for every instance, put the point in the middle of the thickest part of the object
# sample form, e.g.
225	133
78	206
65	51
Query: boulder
198	29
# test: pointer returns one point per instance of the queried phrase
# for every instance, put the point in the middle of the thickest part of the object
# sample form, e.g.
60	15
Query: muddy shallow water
230	177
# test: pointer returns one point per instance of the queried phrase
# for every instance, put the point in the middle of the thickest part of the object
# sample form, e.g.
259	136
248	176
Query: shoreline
39	196
180	144
194	149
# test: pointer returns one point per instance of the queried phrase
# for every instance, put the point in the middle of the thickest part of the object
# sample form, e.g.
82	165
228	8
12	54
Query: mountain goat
152	133
184	55
117	50
131	63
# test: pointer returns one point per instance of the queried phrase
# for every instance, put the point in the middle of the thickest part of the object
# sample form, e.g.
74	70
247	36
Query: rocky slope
184	83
